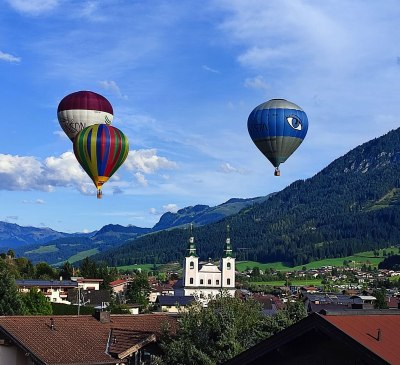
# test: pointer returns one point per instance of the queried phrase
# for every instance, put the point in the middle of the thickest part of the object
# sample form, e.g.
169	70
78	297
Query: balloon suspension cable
277	171
99	194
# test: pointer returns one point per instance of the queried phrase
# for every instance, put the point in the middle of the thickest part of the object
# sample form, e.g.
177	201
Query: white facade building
208	280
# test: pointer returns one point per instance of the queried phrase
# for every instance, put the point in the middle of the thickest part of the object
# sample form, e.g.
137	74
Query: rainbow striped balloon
100	149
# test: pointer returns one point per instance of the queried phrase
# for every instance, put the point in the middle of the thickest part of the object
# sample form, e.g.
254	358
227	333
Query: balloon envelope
277	127
82	109
100	149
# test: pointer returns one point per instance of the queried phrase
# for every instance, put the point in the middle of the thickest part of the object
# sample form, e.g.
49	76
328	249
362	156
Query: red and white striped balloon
82	109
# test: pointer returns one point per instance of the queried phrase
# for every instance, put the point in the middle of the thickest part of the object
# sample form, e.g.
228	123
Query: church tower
191	263
227	265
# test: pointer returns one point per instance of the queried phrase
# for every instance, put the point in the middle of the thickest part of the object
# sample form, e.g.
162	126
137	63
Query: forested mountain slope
352	205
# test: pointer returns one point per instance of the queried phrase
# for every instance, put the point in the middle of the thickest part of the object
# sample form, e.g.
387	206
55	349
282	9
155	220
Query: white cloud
147	161
28	173
9	57
209	69
257	82
172	208
37	201
89	11
153	211
140	178
33	7
113	87
227	168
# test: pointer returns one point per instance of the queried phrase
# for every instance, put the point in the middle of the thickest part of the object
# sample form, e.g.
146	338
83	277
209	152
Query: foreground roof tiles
378	333
81	340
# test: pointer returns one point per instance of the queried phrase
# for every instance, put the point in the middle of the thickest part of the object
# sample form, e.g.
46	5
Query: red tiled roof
77	340
118	282
124	342
84	280
364	329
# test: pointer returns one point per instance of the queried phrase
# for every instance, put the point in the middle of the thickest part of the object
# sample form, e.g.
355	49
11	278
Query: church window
191	264
201	281
228	265
191	280
209	281
228	281
217	282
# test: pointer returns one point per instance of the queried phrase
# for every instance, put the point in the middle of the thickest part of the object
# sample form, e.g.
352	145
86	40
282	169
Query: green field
81	255
302	282
44	249
143	267
279	266
357	260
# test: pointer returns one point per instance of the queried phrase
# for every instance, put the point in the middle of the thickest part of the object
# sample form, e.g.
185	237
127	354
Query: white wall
10	355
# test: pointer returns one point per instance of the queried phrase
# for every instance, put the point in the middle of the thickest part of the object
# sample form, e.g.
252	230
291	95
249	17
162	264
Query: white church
206	281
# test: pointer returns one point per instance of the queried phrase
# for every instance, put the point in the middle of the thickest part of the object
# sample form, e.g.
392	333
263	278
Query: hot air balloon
100	149
82	109
277	127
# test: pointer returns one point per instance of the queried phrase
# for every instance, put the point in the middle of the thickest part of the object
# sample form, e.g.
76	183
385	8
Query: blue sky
182	77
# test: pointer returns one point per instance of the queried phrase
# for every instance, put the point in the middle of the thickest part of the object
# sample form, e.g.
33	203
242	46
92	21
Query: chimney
102	316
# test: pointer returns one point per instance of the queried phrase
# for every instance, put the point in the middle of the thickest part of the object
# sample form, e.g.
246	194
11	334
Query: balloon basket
277	173
99	194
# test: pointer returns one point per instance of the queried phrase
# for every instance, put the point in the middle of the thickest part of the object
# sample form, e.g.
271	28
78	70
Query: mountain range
44	244
352	205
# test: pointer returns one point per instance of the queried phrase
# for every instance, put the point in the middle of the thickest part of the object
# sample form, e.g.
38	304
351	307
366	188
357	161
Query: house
82	340
119	286
88	284
358	337
55	291
173	304
208	280
157	290
270	303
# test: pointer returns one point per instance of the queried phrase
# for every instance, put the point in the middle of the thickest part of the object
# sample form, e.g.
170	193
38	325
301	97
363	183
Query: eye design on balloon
294	122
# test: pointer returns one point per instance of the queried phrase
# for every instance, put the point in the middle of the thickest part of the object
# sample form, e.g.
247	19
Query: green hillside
333	214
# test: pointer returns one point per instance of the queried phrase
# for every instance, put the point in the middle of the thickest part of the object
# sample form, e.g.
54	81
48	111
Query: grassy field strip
313	282
81	255
356	260
44	249
144	267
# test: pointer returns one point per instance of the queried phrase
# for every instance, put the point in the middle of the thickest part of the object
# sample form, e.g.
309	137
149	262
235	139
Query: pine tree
11	302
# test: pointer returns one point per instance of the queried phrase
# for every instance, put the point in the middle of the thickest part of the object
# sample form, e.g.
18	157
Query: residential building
82	340
55	291
346	338
173	304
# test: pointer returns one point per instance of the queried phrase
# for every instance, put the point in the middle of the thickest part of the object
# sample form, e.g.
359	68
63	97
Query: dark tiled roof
78	340
46	283
174	300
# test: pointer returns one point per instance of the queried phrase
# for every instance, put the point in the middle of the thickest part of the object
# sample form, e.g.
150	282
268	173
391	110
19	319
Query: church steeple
228	247
191	249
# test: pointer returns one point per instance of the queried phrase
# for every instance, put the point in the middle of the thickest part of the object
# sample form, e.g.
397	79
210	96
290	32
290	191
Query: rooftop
88	337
